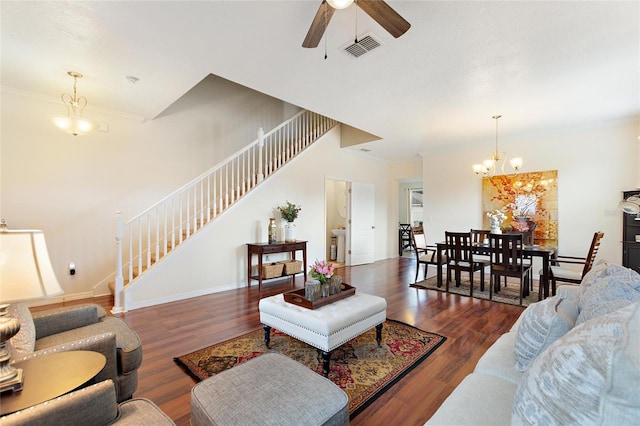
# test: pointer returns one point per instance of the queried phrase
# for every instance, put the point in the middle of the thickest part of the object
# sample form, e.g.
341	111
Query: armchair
81	327
425	254
93	405
562	270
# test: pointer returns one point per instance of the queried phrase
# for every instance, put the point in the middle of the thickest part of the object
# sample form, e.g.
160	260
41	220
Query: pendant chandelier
488	167
74	122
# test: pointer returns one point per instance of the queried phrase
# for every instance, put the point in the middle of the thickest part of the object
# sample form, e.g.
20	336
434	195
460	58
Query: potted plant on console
289	213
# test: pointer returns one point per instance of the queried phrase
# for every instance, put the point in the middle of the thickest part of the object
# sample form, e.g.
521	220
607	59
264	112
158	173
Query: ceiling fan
378	10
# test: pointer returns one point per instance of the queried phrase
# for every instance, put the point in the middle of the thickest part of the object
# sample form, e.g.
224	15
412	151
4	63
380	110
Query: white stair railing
151	234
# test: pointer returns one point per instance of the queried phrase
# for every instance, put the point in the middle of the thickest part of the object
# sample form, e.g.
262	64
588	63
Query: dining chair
425	254
574	275
460	259
478	237
404	237
527	240
507	260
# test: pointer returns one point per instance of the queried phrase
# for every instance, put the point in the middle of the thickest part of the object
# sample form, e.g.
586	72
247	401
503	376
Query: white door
360	232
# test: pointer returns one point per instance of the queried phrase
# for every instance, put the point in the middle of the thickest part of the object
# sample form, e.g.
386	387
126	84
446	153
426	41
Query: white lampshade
74	125
339	4
478	168
25	268
516	163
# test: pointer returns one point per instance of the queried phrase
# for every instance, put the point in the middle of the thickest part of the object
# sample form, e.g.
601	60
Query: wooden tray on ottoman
297	297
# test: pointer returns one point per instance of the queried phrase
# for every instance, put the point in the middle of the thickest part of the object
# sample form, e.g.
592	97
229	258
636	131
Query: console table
261	249
49	376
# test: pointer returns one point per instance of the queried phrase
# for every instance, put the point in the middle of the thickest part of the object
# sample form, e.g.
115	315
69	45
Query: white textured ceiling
540	64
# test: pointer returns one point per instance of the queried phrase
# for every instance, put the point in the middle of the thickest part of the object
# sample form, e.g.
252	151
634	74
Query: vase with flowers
496	217
522	209
289	213
323	272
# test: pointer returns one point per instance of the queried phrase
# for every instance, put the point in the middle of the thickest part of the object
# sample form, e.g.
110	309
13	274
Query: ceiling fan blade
319	25
384	15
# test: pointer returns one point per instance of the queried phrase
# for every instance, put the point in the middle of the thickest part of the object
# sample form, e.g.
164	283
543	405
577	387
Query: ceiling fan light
339	4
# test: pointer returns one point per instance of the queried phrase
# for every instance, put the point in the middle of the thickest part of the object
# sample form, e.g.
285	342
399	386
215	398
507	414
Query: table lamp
25	274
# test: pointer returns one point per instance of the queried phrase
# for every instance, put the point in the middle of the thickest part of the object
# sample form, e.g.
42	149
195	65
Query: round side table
49	376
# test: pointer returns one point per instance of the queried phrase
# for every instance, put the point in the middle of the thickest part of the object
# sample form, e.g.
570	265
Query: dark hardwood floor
470	325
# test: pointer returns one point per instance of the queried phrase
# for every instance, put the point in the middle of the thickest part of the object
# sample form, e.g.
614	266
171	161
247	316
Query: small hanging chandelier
73	122
488	167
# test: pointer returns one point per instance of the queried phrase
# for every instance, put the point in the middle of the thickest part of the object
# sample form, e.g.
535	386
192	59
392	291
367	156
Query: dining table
546	253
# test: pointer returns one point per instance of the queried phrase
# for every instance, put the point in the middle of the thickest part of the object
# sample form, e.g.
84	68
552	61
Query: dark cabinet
631	228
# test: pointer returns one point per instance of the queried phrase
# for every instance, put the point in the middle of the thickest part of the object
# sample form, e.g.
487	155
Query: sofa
572	359
81	327
94	405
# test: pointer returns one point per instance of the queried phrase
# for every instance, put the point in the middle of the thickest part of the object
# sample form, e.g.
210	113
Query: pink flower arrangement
322	271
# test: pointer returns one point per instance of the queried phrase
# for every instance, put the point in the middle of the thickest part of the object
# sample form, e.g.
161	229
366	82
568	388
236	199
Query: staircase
148	237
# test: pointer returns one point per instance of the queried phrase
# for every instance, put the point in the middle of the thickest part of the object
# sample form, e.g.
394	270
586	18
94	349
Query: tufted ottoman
271	389
327	327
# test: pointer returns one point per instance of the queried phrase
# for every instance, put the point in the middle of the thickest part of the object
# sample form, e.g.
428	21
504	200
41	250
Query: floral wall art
530	198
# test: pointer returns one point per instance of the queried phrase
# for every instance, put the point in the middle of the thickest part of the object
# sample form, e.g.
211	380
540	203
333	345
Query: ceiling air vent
364	45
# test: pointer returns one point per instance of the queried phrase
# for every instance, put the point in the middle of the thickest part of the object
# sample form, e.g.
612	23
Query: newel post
119	283
260	149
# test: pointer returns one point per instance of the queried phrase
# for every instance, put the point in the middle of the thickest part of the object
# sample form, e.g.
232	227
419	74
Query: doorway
410	209
350	222
336	220
411	202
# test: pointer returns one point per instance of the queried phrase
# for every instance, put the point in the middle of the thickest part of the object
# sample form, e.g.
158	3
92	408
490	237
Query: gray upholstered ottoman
271	389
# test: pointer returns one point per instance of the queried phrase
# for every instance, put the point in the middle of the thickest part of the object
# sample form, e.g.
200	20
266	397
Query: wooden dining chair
507	260
561	269
527	240
460	259
404	237
425	254
478	236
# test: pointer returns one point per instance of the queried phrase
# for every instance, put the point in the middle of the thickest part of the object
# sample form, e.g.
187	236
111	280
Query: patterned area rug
359	367
508	294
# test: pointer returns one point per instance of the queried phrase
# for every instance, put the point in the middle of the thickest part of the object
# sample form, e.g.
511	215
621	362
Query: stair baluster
215	191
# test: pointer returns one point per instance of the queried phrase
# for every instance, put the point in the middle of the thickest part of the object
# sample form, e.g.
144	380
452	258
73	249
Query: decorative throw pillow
590	376
618	288
568	292
598	270
542	324
25	340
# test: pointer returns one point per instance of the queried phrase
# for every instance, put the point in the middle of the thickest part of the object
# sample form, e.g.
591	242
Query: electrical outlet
267	258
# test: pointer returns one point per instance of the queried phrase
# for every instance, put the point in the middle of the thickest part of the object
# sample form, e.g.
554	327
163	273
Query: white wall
216	258
71	186
595	164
